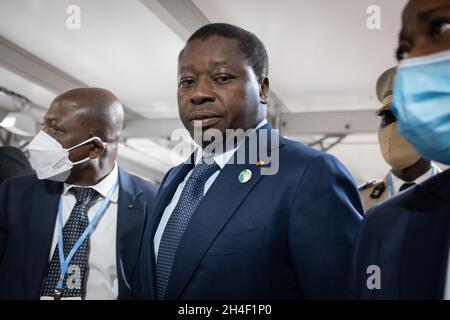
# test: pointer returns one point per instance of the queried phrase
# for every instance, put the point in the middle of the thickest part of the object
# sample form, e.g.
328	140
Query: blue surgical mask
422	104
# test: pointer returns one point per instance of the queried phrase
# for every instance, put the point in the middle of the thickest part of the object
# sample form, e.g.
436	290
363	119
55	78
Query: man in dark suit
13	162
403	248
226	227
78	186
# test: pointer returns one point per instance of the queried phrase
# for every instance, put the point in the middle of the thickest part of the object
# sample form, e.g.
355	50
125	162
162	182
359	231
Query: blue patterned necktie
190	199
406	185
74	279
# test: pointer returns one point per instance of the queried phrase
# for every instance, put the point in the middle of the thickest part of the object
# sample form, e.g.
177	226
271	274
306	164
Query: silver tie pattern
190	199
73	229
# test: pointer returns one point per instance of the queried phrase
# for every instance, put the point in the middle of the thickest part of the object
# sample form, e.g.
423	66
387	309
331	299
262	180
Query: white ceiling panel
322	58
322	55
19	85
121	45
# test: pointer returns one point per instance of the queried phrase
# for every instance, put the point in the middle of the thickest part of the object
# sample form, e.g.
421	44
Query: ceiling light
20	124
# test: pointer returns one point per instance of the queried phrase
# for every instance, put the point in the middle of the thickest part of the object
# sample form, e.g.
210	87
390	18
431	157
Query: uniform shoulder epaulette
368	184
378	190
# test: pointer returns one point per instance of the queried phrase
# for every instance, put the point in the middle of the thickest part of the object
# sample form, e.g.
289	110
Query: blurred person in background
403	247
13	163
73	230
408	168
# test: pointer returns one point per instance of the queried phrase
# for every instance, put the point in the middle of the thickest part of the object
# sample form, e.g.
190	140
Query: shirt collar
103	187
223	158
397	182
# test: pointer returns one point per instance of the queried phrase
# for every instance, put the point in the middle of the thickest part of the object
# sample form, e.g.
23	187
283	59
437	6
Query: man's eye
223	79
402	53
439	27
186	83
52	129
387	117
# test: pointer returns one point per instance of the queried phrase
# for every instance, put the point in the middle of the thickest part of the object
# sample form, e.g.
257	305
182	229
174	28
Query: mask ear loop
82	143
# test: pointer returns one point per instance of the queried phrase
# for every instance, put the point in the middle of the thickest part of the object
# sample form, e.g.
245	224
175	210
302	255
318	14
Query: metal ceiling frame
183	18
36	70
39	72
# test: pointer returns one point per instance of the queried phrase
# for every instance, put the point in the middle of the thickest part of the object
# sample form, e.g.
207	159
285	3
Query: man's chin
206	136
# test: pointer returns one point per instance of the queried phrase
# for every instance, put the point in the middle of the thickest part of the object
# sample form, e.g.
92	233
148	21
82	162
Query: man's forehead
417	9
220	52
65	110
212	64
217	39
212	46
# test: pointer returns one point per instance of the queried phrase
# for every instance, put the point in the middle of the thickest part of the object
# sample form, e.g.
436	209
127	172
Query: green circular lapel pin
245	176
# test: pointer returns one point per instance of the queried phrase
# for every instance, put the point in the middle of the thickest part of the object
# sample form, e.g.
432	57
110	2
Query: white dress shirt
102	283
221	160
397	182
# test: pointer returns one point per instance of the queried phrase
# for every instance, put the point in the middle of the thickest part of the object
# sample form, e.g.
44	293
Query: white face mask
50	160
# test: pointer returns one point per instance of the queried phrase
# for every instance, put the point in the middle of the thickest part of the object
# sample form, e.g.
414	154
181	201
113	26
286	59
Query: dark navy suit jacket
13	163
28	210
283	236
407	237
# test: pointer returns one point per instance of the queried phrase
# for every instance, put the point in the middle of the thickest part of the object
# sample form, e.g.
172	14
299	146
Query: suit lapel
42	226
163	198
425	254
131	215
167	190
219	204
212	214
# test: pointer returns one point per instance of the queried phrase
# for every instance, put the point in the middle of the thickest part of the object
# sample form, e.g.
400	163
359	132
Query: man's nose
203	92
48	130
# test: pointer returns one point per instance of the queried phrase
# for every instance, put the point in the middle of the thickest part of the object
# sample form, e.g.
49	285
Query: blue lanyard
390	187
64	262
433	171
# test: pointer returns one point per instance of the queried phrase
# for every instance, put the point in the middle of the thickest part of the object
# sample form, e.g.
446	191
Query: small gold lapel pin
130	206
260	163
245	176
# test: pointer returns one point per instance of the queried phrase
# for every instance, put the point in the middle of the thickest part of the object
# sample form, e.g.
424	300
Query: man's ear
264	89
98	150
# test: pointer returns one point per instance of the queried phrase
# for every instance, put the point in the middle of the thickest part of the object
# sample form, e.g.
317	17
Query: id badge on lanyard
64	262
